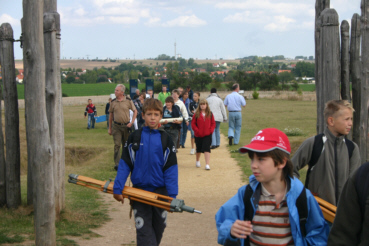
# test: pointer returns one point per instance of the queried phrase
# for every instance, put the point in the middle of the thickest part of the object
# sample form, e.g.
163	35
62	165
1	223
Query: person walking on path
234	102
182	108
184	128
190	92
107	112
220	115
119	114
91	111
151	169
139	104
191	111
171	110
203	124
163	94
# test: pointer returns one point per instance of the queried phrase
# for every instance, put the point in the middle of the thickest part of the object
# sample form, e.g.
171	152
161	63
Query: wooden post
54	107
320	5
330	56
2	157
40	150
12	168
355	68
345	61
364	79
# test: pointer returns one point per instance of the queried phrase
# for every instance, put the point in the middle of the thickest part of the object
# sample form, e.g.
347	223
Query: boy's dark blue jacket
150	168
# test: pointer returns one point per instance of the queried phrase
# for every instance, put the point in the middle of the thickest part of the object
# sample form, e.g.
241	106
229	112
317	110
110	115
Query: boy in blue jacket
265	212
153	167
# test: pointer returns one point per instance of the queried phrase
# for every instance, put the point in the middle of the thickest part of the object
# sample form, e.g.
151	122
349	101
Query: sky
213	29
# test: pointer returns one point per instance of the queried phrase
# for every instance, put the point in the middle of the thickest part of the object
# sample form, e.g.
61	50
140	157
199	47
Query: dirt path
204	190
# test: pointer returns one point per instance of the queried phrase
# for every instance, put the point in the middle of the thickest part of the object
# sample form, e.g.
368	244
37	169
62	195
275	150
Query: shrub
299	92
255	94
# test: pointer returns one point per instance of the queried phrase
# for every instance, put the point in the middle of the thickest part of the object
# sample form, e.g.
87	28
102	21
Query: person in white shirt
182	108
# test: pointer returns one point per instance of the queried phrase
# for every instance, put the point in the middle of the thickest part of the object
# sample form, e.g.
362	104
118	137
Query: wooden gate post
364	79
320	5
38	136
330	57
12	166
355	68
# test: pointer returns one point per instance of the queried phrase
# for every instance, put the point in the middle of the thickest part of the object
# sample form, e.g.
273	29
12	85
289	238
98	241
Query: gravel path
204	190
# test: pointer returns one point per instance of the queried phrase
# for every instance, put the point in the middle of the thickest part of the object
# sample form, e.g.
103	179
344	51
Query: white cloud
185	21
279	24
5	18
153	22
80	12
123	19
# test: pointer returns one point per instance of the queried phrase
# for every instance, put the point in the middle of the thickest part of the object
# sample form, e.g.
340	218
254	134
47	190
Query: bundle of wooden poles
328	209
165	202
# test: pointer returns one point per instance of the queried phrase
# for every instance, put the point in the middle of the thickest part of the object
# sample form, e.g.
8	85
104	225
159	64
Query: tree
303	69
191	62
286	77
70	79
202	80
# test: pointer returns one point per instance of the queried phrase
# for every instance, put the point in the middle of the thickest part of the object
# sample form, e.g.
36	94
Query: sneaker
207	167
116	167
212	147
230	140
216	146
198	164
183	146
192	151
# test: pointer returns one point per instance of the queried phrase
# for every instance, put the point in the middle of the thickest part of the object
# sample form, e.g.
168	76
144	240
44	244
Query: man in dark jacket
351	224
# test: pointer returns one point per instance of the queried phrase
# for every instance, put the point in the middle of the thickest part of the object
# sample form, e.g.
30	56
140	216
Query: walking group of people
275	208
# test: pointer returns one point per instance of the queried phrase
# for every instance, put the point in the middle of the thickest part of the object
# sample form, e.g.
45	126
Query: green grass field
77	90
90	153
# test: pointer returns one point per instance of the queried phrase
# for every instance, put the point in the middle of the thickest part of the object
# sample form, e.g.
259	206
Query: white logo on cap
282	143
258	138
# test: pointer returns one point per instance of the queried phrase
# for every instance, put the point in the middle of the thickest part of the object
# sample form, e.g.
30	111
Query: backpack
137	139
301	204
318	148
362	186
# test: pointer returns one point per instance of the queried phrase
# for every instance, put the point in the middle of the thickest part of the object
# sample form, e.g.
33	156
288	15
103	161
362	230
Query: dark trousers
120	135
150	222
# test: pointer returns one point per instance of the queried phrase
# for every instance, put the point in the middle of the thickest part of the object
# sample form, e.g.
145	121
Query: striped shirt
271	223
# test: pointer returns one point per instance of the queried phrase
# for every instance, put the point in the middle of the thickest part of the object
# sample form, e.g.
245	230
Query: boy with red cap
268	210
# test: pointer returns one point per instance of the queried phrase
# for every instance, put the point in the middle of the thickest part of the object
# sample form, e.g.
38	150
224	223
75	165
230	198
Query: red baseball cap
266	140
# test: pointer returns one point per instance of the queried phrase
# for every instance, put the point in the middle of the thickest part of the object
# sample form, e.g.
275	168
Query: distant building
283	71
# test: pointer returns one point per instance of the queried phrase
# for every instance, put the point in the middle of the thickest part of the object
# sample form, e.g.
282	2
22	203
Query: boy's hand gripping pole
165	202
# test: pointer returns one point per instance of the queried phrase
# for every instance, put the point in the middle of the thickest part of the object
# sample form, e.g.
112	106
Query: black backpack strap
301	204
350	147
164	139
362	185
315	154
136	139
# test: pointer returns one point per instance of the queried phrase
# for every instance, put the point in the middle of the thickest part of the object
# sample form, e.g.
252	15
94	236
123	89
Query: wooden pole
320	5
345	61
12	166
330	55
54	108
40	150
364	79
2	156
355	68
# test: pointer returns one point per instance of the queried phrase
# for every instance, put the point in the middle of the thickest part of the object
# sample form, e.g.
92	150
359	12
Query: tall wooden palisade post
330	73
364	79
345	61
12	166
54	107
320	5
2	157
40	151
355	68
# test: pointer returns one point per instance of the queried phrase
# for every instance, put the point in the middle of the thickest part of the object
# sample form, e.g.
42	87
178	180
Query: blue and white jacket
317	229
150	167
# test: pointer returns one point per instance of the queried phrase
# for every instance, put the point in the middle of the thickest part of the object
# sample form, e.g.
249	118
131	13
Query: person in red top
203	125
91	111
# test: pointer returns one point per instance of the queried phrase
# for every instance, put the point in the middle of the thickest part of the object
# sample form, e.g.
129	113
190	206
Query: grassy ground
281	114
90	153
